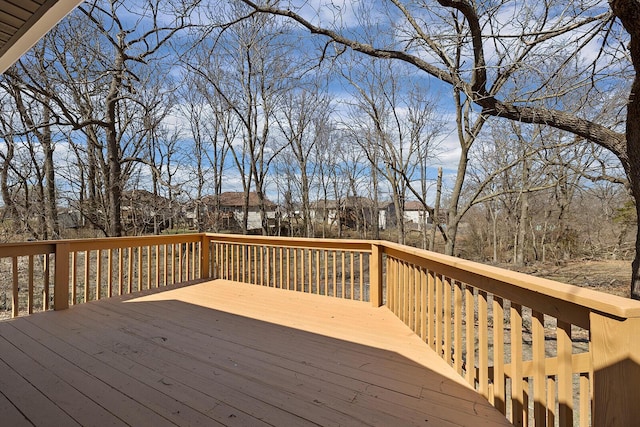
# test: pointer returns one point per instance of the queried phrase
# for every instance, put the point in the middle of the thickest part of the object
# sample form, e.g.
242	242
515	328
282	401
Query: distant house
415	215
227	211
324	211
70	218
352	212
145	212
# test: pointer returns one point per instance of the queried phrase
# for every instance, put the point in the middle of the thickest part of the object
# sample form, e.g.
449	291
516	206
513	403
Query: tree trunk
633	147
375	215
436	211
524	216
453	220
628	11
50	177
114	184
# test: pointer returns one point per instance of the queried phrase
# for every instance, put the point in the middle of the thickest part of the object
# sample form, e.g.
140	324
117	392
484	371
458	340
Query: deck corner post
375	275
615	355
205	267
61	284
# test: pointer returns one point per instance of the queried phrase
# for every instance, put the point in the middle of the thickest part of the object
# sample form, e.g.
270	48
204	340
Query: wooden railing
87	270
542	352
538	350
338	268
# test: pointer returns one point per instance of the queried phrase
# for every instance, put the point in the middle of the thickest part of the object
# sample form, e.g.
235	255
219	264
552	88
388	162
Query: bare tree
93	81
302	120
549	44
256	69
35	128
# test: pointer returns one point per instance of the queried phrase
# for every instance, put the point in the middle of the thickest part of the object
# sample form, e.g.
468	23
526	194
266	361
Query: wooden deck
224	353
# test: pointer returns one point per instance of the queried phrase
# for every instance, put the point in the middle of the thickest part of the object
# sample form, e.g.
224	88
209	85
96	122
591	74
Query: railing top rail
48	246
26	248
124	242
490	276
295	242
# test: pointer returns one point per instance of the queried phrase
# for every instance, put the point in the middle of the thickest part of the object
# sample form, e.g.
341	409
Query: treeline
186	100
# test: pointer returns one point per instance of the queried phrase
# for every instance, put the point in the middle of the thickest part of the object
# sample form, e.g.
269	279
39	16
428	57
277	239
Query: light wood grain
226	353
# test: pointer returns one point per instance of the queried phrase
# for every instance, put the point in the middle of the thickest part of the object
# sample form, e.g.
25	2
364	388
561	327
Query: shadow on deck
225	353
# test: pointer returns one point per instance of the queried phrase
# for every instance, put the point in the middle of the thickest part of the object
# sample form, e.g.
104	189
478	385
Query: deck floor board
224	353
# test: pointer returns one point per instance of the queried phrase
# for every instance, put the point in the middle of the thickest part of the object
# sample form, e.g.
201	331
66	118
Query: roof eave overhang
47	16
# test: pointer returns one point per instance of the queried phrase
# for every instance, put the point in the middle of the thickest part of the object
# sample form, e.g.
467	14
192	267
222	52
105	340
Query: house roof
143	197
236	199
24	22
413	205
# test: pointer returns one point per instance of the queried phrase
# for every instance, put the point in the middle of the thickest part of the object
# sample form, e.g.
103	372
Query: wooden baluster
525	401
326	272
165	267
184	262
87	263
237	264
130	270
412	298
15	297
193	262
281	264
431	301
585	401
175	257
551	401
109	273
344	275
483	344
352	273
394	285
457	327
157	250
402	291
539	376
139	267
334	255
31	285
74	277
565	374
317	253
262	266
405	292
438	315
98	274
295	268
45	289
361	275
470	336
417	298
447	321
148	267
499	393
180	260
310	273
303	269
120	271
517	392
423	305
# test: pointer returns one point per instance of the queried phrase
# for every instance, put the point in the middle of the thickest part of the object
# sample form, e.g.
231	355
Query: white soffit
24	22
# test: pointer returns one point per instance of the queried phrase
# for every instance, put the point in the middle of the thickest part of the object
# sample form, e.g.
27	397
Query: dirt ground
606	276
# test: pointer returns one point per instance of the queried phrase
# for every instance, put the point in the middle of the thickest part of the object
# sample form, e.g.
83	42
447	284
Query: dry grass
606	276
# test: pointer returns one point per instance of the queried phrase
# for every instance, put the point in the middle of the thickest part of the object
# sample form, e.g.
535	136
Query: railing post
615	350
375	276
61	285
204	257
